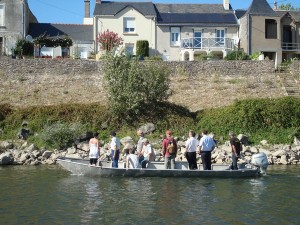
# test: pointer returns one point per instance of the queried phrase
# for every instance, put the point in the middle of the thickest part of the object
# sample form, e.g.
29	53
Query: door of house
220	37
197	39
287	37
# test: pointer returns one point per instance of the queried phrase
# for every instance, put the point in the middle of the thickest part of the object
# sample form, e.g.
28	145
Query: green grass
275	120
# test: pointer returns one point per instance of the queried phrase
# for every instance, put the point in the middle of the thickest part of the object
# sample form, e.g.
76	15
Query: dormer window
129	25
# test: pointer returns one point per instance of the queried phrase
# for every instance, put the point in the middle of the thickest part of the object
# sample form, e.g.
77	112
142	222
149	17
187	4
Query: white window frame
129	25
220	39
198	40
129	48
2	15
175	36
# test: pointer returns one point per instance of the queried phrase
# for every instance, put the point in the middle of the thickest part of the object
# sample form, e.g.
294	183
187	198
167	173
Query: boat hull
81	167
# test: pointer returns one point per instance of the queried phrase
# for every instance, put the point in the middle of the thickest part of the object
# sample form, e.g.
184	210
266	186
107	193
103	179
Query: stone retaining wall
61	66
196	85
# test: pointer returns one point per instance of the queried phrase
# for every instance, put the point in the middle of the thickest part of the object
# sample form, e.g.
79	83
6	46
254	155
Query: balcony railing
290	46
207	43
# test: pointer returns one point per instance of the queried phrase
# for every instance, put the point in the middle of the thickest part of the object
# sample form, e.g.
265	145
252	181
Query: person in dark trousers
207	145
115	149
236	150
191	148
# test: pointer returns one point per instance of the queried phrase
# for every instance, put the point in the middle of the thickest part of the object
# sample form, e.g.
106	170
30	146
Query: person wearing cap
191	148
139	145
132	160
115	146
169	149
235	149
147	153
206	145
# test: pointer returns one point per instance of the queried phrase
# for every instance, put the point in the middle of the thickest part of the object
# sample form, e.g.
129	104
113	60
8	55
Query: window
220	37
129	48
197	39
2	15
175	36
129	25
271	29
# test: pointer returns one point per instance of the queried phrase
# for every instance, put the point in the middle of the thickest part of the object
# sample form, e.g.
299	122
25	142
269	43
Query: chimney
87	8
275	6
98	1
226	4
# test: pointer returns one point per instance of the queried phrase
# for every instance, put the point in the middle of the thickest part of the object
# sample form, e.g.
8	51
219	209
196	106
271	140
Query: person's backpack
171	147
238	146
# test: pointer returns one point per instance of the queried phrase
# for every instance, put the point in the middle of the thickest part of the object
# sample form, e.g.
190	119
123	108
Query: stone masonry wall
69	67
197	85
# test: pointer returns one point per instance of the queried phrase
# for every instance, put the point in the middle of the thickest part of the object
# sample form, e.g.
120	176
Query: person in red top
169	149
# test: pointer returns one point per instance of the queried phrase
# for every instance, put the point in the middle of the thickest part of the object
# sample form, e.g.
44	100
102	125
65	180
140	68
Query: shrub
133	86
237	55
23	47
142	48
272	119
61	135
109	40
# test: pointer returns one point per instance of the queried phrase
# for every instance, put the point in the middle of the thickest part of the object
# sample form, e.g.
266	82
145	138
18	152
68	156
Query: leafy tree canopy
288	6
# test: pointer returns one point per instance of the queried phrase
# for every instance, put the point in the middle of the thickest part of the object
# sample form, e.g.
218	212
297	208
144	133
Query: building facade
15	17
272	32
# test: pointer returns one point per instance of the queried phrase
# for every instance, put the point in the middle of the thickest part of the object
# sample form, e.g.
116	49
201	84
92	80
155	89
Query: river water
50	195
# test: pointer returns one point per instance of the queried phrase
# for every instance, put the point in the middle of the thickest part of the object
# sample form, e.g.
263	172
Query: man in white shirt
115	149
207	145
132	160
191	148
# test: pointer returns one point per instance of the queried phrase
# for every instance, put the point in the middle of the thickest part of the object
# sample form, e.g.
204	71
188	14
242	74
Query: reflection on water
49	195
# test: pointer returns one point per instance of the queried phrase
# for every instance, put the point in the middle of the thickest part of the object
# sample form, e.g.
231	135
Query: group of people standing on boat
144	151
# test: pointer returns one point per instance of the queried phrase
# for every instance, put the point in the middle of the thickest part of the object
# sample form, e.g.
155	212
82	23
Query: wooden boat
154	169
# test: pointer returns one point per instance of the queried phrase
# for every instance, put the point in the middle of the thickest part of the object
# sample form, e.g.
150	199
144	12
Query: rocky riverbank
19	152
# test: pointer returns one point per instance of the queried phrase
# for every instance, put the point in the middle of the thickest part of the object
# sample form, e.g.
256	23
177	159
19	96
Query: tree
23	47
142	48
109	40
134	87
288	6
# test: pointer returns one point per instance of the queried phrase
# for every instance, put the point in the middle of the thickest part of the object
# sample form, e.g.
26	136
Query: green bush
276	119
142	48
60	135
133	87
23	47
237	55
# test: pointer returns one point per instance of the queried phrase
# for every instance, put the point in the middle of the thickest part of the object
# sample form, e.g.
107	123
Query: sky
72	11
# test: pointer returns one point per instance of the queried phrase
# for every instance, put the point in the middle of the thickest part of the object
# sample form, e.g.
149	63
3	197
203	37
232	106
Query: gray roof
109	8
77	32
240	13
191	8
200	14
206	19
261	8
208	14
294	14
